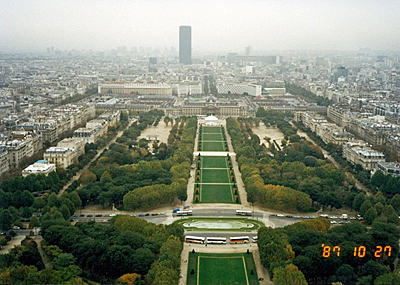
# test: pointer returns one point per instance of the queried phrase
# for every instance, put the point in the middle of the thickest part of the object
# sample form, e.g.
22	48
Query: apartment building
112	118
392	168
76	143
22	144
311	121
4	161
88	135
62	157
360	153
336	114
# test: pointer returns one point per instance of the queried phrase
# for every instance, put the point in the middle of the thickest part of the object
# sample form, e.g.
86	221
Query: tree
34	222
106	177
129	279
345	274
26	199
391	215
70	205
289	275
378	179
370	215
379	208
6	220
75	199
64	260
65	212
395	202
374	269
365	206
49	276
87	177
52	251
358	201
52	201
388	279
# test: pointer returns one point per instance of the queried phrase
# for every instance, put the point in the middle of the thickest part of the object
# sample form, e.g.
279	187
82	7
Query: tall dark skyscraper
185	44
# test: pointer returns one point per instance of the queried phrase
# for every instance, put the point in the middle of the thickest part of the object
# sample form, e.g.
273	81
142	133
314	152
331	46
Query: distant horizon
242	52
217	26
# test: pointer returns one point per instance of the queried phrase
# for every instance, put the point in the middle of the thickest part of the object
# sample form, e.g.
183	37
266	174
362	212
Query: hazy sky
219	25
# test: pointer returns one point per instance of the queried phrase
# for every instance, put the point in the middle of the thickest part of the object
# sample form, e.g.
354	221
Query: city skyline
221	26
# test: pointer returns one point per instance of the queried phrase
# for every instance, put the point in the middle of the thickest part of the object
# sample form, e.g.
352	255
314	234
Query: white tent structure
211	120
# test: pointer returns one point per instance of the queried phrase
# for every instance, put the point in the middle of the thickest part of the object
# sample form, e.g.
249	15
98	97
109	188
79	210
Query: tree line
144	183
297	90
251	154
104	253
301	165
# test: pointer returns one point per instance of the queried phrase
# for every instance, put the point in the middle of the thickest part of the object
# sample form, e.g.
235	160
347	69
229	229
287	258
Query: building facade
392	168
360	153
139	88
62	157
241	89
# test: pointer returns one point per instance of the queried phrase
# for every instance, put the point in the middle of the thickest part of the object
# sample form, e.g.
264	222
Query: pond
219	225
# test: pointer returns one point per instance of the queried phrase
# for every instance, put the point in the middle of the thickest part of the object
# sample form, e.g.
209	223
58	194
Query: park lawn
211	193
210	268
215	176
212	137
214	162
212	130
213	146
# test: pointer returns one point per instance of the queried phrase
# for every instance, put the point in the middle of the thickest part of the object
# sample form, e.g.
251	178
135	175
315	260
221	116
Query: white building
139	88
39	167
76	143
187	89
239	88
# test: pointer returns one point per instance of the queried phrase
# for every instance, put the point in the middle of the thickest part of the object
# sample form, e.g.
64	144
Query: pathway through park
79	173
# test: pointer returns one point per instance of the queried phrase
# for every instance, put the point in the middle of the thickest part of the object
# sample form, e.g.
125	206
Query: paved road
79	173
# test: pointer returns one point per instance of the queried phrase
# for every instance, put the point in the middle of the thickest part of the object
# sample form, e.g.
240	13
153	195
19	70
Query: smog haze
217	26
